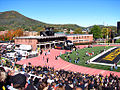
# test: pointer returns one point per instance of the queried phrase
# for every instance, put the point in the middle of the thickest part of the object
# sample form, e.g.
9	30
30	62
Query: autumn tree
18	32
2	37
11	34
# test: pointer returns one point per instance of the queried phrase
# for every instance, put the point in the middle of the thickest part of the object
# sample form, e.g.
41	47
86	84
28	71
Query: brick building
50	41
80	38
30	33
40	41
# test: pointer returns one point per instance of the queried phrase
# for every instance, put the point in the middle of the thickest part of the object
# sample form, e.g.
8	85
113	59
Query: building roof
79	34
60	35
59	32
38	37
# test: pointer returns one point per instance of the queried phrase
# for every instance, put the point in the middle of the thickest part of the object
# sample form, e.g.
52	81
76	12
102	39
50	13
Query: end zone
108	57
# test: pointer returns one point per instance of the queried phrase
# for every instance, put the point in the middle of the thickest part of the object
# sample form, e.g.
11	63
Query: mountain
13	19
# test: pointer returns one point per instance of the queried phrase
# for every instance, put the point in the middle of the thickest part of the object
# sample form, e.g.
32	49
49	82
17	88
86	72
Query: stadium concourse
61	64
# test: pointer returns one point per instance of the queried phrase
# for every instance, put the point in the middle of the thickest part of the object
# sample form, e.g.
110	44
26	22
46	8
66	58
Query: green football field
83	58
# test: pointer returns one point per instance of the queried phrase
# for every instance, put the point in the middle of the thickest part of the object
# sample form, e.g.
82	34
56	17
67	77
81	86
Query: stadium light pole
107	36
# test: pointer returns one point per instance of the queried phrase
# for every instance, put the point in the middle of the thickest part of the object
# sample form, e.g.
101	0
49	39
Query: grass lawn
84	58
119	63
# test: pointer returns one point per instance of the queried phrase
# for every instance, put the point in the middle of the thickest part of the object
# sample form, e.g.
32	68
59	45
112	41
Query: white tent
9	46
34	53
117	37
25	47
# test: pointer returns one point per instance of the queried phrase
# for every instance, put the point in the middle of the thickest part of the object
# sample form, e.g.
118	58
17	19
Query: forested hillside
13	19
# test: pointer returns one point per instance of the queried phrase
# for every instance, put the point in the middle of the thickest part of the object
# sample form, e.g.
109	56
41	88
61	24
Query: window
86	40
80	40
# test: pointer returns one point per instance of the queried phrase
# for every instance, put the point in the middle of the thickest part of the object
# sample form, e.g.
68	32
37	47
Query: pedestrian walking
56	57
115	65
47	59
60	53
41	51
75	61
69	59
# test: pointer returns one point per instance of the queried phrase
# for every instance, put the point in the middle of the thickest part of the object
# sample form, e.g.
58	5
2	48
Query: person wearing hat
18	81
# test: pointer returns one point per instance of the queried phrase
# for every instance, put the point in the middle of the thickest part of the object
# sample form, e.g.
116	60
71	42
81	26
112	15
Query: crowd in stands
47	78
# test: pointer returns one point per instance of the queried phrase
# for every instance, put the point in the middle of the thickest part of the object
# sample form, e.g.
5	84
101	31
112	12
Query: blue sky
81	12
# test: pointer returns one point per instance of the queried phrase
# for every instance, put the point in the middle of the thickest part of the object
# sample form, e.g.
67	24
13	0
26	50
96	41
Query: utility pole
107	36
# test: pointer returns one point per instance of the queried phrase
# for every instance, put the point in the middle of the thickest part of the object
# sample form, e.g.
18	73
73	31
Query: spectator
31	80
2	79
18	81
75	61
70	60
115	65
47	59
111	68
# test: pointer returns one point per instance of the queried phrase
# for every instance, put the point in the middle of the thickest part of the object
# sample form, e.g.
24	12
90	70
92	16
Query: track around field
61	64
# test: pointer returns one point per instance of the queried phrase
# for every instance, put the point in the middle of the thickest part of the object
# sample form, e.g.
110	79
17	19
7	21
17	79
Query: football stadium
59	63
59	45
